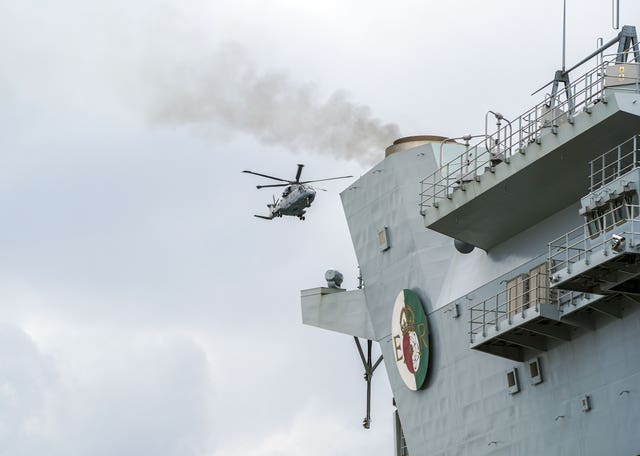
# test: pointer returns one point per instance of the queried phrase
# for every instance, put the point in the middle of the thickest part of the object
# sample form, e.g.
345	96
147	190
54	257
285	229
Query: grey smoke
228	92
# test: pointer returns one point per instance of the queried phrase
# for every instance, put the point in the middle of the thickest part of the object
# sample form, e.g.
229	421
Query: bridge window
607	217
619	211
593	224
611	214
631	200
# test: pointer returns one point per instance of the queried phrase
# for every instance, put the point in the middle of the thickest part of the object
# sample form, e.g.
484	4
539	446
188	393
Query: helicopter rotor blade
272	185
299	172
267	176
322	180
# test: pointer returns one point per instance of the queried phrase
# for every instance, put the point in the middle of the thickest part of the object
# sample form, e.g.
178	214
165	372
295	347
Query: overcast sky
143	310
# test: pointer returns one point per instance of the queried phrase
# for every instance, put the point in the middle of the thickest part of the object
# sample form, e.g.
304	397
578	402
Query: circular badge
410	335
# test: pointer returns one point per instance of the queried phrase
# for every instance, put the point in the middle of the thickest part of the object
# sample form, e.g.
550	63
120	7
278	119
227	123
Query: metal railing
528	291
595	236
614	163
515	136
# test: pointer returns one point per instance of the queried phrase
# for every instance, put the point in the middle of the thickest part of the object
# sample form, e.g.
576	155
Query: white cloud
149	395
27	378
144	309
104	394
315	430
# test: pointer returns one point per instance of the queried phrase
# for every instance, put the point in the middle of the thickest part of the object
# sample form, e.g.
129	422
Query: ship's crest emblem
410	335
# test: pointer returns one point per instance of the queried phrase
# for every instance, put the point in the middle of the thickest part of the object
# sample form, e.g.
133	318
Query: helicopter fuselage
294	201
296	197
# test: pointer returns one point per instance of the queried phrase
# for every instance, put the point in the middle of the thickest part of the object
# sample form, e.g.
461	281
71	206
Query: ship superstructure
523	250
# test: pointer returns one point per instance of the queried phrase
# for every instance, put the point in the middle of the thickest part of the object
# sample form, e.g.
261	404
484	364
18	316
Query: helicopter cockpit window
286	192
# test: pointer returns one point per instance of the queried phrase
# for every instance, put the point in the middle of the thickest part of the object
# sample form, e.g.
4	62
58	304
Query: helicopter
296	197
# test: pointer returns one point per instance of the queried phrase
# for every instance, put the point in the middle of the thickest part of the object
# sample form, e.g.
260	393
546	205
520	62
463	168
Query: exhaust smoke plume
228	91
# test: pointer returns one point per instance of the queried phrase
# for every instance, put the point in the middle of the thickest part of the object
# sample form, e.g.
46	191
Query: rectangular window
631	199
619	211
534	371
383	239
593	224
607	218
512	381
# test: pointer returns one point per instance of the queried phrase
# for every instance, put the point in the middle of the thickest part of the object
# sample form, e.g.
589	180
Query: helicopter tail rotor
275	201
271	207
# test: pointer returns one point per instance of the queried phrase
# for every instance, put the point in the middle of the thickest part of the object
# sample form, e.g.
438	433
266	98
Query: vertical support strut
627	42
368	375
561	76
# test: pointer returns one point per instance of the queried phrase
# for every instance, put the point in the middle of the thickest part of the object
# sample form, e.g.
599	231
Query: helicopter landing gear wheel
301	217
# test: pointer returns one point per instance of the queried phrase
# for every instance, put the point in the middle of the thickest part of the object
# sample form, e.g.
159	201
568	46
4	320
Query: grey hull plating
588	402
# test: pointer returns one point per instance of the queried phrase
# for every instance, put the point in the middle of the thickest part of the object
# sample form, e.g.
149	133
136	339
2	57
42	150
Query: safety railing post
433	196
537	293
566	244
520	144
446	182
619	162
497	143
510	138
476	165
484	319
471	325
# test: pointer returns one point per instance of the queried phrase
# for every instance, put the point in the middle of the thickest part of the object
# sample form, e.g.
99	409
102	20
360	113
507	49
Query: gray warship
501	274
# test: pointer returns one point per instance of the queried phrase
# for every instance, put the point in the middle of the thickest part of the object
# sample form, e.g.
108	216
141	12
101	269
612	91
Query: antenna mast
564	34
627	40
